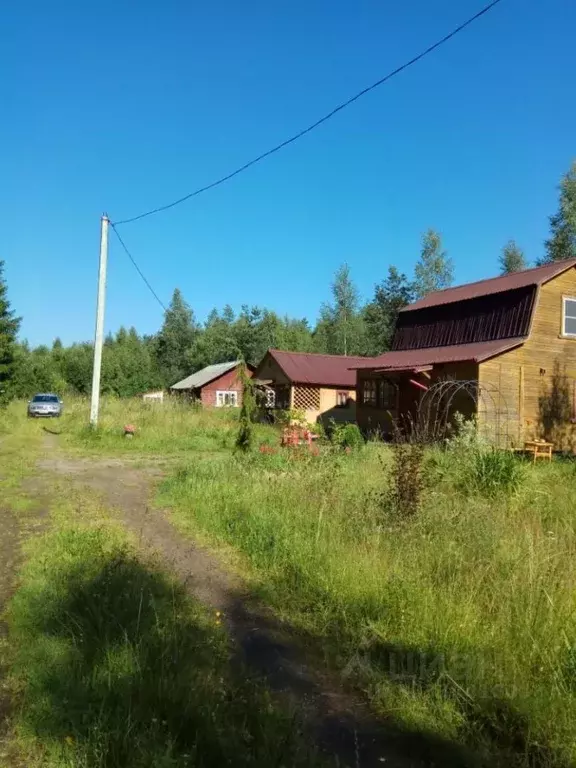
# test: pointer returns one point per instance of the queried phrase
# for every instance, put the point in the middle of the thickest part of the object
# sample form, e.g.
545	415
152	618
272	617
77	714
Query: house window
369	392
342	399
227	399
386	395
569	316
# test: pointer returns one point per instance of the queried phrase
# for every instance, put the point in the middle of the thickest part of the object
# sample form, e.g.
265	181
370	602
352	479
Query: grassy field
112	664
458	621
163	429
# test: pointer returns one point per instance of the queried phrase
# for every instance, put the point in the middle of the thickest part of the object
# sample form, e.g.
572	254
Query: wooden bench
539	449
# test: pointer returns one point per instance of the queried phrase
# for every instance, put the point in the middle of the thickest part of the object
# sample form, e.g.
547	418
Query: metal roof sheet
322	370
536	276
408	359
205	376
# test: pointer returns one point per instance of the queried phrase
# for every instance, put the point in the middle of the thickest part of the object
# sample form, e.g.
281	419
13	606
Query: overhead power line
133	260
319	122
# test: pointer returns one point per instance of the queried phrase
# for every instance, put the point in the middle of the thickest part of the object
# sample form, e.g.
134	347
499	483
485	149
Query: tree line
133	363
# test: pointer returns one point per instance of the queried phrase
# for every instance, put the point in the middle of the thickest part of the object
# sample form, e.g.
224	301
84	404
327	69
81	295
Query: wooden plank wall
268	369
526	377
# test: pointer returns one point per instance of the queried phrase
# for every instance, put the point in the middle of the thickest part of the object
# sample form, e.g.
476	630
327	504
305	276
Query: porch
420	401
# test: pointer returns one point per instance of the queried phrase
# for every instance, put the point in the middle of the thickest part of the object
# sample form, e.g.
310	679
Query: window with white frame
569	316
228	398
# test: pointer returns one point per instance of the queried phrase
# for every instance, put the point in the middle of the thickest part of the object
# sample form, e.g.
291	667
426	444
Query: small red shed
217	385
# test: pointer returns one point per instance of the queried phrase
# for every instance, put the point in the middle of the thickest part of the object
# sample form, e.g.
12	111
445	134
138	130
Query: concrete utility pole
99	335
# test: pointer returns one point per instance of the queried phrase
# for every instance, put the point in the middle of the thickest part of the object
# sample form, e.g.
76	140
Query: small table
539	449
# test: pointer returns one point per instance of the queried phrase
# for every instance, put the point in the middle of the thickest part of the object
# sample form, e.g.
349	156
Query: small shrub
405	494
347	436
465	436
318	429
245	436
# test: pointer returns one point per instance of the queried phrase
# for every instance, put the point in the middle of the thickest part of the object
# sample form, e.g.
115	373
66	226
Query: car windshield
45	399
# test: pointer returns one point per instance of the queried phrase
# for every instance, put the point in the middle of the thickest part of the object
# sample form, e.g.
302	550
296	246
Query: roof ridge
214	365
535	276
313	354
502	277
211	372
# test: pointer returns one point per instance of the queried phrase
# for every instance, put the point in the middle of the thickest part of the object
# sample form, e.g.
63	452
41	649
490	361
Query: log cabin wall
538	379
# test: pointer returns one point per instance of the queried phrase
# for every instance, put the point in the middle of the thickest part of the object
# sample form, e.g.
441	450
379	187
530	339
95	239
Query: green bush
347	436
408	480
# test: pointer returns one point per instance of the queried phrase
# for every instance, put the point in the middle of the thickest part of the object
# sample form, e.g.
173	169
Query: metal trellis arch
435	418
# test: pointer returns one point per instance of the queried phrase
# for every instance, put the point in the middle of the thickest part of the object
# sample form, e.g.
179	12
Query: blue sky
123	106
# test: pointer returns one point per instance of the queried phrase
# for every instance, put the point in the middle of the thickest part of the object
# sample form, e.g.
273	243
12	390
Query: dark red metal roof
408	359
323	370
536	276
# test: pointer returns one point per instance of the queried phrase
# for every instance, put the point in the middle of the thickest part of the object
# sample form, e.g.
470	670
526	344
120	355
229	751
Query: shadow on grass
502	735
341	725
119	668
51	431
492	733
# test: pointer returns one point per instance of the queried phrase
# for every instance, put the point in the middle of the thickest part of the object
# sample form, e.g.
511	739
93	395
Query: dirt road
338	720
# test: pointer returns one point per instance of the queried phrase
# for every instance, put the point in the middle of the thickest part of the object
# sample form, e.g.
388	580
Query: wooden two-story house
512	338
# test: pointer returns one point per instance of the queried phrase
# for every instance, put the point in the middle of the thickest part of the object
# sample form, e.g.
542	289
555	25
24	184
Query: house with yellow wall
322	387
510	341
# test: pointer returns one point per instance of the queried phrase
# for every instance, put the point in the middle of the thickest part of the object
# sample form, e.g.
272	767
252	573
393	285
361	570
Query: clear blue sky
122	106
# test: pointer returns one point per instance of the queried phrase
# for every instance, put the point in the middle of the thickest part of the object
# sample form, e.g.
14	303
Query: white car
45	405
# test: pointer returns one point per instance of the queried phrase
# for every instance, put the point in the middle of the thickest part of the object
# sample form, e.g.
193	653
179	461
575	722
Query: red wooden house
216	385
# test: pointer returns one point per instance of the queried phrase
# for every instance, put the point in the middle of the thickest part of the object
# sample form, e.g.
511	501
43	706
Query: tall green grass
163	429
117	667
112	664
458	622
20	441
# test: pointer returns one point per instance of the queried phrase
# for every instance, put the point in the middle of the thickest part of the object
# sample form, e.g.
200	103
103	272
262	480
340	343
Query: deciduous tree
340	329
512	259
562	241
434	271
